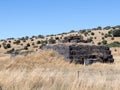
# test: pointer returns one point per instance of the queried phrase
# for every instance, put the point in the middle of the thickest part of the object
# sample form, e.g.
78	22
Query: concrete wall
81	53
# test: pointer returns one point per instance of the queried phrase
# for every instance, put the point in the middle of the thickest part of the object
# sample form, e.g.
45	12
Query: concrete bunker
83	54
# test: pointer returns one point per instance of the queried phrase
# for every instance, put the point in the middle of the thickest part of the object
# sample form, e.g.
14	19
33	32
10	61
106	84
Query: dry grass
47	70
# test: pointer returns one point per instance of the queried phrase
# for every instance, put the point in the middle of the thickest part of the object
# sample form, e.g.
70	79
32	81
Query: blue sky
33	17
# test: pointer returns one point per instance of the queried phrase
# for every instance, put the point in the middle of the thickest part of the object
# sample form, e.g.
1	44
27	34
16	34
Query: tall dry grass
47	70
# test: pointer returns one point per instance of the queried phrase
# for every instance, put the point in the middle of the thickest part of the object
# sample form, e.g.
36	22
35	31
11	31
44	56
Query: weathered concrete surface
83	54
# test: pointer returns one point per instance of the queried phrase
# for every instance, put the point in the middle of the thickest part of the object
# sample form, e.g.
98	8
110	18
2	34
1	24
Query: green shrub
103	38
118	26
57	38
102	33
107	27
116	33
44	42
110	32
21	44
107	35
52	41
112	38
26	38
6	46
26	48
9	41
28	45
22	38
31	39
114	44
72	31
104	42
115	50
40	36
86	33
99	43
89	31
89	39
10	51
33	43
38	42
95	37
16	42
99	28
92	33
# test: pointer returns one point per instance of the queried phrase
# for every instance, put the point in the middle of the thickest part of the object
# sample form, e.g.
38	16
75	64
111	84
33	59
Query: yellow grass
47	70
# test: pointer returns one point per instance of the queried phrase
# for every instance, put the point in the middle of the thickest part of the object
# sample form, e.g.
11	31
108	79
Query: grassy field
47	70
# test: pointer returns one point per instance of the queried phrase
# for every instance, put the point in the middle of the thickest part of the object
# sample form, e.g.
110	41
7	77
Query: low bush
89	39
52	41
28	45
104	42
92	33
38	42
116	33
114	44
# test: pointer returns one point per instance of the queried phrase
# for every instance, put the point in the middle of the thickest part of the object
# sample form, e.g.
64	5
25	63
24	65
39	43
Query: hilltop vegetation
97	36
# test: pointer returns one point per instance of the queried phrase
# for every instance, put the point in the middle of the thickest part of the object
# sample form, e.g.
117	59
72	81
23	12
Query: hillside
36	69
95	36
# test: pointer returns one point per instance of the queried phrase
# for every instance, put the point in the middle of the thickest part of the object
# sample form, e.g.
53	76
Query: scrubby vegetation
114	44
116	33
104	42
47	70
98	36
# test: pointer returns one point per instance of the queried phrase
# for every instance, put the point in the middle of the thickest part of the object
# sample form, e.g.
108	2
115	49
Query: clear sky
33	17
